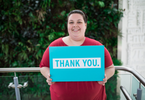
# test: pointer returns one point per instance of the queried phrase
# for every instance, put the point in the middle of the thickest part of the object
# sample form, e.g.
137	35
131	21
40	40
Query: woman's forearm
45	71
109	71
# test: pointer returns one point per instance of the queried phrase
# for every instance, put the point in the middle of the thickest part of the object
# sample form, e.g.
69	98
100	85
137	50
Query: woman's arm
109	72
45	71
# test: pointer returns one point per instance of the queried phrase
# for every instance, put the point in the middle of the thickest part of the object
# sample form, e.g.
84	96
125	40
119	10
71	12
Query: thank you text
76	63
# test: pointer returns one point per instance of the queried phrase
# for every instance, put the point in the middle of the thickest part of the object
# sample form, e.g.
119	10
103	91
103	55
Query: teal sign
77	63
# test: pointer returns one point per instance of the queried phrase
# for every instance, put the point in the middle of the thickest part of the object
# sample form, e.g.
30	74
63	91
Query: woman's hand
104	81
49	80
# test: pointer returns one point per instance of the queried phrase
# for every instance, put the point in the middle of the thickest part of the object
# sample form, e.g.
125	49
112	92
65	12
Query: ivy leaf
39	53
23	55
14	64
29	49
63	13
51	36
5	48
101	3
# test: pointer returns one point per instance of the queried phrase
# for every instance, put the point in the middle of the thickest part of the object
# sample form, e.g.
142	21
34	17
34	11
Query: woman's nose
75	24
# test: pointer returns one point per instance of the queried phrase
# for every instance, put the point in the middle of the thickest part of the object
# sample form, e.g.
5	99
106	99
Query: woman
77	24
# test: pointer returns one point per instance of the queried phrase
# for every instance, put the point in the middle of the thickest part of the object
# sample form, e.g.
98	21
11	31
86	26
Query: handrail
26	69
126	94
37	69
135	73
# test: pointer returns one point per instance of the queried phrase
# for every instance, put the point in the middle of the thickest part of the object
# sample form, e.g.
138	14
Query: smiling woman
76	28
77	24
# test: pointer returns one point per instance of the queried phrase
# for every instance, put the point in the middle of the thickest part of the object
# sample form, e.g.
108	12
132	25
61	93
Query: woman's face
76	26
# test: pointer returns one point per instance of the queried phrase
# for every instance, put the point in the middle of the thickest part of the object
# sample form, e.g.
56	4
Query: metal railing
132	71
37	69
28	69
141	79
126	94
16	84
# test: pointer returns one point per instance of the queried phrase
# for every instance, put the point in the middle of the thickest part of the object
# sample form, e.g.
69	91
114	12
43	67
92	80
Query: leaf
23	55
39	53
31	14
5	48
38	45
14	64
51	36
60	33
110	19
63	13
29	49
47	27
20	43
101	3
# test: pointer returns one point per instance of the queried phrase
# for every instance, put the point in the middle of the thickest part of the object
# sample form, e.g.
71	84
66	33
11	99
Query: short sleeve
45	59
108	59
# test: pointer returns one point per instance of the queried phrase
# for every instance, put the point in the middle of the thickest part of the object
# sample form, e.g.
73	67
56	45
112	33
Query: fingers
101	83
49	80
104	81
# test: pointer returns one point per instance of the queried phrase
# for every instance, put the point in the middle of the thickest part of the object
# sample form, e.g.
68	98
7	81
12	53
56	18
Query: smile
75	30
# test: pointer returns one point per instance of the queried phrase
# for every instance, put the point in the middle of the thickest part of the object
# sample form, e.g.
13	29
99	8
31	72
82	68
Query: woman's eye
70	22
79	22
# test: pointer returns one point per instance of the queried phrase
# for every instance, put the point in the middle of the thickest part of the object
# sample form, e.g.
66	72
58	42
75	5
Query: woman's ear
86	24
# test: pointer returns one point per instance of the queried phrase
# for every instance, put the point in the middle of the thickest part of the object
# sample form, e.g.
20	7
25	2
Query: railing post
139	92
17	92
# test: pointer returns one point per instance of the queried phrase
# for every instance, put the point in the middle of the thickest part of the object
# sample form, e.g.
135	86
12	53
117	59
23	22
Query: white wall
132	42
131	46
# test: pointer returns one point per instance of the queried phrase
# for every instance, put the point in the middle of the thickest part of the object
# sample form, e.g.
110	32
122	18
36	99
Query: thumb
48	76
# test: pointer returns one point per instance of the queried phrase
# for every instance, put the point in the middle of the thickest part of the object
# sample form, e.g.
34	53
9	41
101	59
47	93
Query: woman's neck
71	42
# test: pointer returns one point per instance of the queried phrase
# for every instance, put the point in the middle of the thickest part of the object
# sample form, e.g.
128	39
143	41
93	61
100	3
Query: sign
76	63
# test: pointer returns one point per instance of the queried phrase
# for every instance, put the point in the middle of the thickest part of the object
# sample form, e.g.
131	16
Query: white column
132	43
131	46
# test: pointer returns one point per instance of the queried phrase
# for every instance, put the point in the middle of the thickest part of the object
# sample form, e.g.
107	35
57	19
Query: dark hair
79	12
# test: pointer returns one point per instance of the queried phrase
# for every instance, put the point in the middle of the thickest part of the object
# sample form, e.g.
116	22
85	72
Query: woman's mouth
75	30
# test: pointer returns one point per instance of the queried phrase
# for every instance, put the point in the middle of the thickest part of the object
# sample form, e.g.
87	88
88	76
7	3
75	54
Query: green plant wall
27	27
